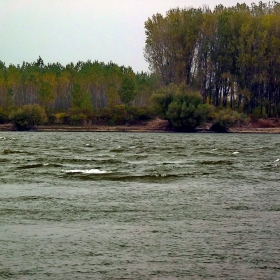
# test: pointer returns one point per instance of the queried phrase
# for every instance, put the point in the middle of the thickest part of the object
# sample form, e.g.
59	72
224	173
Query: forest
221	64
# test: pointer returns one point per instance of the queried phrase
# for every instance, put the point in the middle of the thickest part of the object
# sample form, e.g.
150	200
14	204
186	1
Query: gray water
139	206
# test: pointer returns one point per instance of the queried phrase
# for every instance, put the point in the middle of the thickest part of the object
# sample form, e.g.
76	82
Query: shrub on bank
139	113
77	119
61	118
28	116
225	118
121	114
116	115
183	108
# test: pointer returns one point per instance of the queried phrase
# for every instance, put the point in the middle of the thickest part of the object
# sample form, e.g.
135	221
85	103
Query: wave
87	174
144	178
8	151
118	149
238	207
213	162
37	165
99	160
28	198
86	171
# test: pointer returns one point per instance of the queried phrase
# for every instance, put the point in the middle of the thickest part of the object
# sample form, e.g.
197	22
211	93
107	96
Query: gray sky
71	30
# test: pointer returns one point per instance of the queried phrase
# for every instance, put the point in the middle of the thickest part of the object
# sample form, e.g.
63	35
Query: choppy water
139	206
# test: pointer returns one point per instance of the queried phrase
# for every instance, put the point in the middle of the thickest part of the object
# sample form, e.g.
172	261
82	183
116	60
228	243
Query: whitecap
235	153
85	171
277	160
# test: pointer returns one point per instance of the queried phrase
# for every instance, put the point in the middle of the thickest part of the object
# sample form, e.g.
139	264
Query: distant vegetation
183	108
28	116
219	65
72	94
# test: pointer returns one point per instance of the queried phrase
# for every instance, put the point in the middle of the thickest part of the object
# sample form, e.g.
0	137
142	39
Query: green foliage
112	97
28	116
84	87
162	98
139	113
225	53
225	118
3	115
77	119
181	107
46	94
81	101
8	99
61	118
118	115
127	91
259	112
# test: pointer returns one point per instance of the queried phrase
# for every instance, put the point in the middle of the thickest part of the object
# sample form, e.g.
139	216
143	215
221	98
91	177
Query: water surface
139	206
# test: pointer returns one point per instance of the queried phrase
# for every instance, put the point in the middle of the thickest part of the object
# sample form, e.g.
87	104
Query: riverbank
269	125
157	125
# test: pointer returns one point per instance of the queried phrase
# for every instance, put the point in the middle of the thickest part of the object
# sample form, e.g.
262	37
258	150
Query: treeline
78	91
230	55
220	65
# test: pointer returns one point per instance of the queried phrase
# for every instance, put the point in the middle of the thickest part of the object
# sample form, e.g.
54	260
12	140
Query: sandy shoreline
156	125
273	130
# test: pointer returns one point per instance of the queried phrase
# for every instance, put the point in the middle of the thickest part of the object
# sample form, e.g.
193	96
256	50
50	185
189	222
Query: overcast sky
71	30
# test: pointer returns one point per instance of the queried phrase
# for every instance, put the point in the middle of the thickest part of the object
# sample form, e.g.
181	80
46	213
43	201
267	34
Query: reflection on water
139	206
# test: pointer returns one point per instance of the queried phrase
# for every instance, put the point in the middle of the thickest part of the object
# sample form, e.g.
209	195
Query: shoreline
157	126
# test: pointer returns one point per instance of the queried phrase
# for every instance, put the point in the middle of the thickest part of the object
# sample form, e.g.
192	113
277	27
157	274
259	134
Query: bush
139	113
181	107
61	118
77	119
28	116
225	118
120	114
115	115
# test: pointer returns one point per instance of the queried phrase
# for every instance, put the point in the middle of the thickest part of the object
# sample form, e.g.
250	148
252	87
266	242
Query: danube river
139	206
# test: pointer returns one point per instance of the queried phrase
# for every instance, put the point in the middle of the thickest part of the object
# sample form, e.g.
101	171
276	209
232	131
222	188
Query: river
139	206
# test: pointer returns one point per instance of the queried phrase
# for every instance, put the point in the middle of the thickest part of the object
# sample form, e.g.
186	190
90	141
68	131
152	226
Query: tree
39	62
231	54
112	97
127	91
81	101
46	94
171	43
